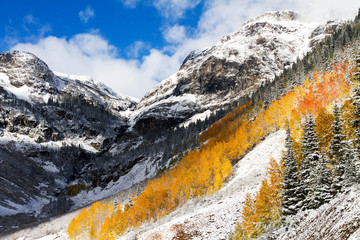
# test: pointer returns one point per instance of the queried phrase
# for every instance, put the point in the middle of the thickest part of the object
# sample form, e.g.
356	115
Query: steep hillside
213	217
339	219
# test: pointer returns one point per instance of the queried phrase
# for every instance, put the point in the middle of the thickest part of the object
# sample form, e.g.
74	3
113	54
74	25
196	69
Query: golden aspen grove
87	224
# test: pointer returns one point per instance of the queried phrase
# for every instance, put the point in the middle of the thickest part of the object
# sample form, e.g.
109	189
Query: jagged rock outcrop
29	78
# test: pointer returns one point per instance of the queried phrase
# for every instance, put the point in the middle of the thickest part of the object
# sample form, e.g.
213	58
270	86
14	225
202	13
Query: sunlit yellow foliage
87	223
324	121
264	211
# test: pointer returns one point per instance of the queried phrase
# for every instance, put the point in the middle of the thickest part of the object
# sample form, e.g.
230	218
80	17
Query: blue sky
130	45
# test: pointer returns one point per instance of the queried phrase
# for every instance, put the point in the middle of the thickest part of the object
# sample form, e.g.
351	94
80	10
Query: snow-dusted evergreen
349	176
314	174
356	102
335	144
323	181
292	194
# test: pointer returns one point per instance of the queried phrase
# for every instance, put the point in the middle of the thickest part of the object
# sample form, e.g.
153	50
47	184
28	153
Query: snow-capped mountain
220	75
30	79
73	131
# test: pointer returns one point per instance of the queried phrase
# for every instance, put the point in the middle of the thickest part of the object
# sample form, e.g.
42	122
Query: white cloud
91	55
86	14
174	9
136	48
325	10
130	3
29	19
175	34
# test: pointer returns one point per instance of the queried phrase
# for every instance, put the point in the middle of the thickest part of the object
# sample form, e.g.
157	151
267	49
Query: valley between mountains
254	137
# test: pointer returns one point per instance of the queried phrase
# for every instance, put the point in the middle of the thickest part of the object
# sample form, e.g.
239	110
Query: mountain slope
30	79
339	219
198	214
235	67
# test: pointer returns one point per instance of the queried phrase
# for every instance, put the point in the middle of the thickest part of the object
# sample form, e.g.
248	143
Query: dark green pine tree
323	183
314	175
291	195
356	75
335	144
355	96
342	157
309	147
349	173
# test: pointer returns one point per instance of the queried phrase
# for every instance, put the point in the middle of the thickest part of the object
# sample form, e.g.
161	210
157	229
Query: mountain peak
285	15
24	68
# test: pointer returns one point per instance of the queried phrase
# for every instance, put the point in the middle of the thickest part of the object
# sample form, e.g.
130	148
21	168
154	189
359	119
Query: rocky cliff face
51	127
30	79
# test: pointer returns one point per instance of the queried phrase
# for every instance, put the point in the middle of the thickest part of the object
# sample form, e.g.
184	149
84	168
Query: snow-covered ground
212	217
339	219
54	229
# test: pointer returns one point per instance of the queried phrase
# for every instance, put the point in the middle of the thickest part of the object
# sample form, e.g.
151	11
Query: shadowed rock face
219	76
26	180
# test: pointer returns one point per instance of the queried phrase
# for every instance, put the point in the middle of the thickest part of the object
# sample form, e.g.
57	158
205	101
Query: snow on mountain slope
207	81
339	219
235	67
30	79
96	91
215	216
24	76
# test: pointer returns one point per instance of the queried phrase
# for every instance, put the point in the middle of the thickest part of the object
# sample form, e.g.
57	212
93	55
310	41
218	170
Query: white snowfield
211	217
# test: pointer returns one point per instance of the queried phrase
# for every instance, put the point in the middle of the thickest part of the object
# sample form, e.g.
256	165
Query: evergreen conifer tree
323	183
314	175
349	170
291	195
335	144
356	121
342	157
356	75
